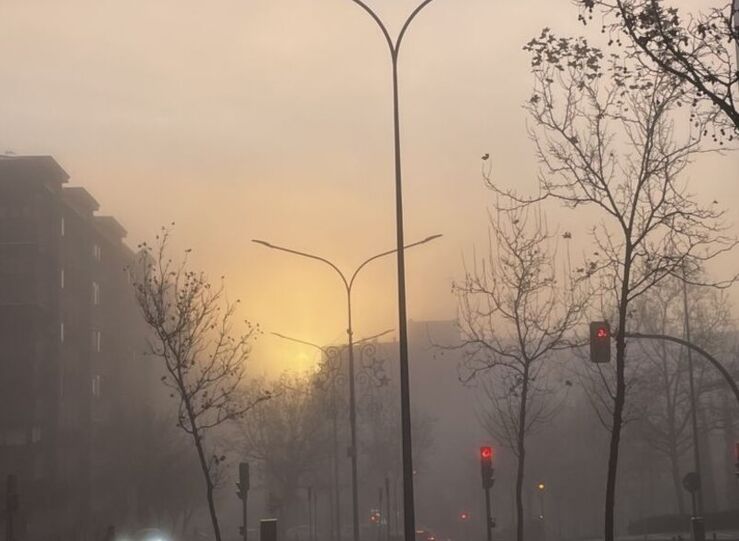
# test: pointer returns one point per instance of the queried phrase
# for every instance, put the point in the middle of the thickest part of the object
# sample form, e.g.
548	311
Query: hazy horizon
271	119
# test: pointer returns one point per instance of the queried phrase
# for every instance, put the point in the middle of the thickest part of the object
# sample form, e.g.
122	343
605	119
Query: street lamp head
540	486
263	243
432	237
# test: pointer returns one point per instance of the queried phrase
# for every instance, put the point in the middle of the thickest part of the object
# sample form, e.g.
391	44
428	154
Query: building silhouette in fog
70	344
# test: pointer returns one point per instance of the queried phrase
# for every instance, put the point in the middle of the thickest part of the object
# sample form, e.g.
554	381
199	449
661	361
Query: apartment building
74	386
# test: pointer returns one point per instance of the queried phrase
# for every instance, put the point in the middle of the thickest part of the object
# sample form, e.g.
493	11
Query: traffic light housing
600	342
243	484
486	465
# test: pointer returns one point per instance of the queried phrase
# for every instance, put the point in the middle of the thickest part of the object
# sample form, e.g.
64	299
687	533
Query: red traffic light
486	466
600	342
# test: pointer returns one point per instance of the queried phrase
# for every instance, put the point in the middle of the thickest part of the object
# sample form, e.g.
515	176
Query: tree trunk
208	488
619	401
521	452
208	482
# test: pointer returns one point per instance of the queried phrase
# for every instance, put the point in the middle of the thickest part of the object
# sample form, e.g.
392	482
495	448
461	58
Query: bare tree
193	328
515	312
605	134
698	51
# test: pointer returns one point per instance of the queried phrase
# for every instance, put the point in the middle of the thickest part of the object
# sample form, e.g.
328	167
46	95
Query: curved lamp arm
408	22
379	22
394	47
323	349
304	254
383	254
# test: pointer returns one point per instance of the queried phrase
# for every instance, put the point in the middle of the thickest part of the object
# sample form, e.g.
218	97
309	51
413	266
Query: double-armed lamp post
409	520
348	284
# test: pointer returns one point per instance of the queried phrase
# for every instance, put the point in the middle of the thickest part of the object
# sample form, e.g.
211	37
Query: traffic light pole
488	480
242	493
710	358
488	515
246	528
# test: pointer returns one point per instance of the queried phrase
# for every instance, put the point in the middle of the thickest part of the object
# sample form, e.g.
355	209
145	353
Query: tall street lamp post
332	358
409	521
348	284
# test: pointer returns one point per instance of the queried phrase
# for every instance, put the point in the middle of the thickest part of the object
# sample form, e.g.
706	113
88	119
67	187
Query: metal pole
409	514
409	522
696	522
352	418
488	515
348	285
693	405
246	524
337	495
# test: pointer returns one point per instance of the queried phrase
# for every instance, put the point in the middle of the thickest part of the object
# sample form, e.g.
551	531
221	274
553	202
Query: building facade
73	383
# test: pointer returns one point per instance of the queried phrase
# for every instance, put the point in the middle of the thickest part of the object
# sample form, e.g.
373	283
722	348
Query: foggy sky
271	119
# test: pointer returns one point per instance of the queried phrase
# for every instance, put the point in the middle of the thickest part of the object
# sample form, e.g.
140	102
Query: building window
96	386
96	341
97	253
61	279
61	227
95	293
